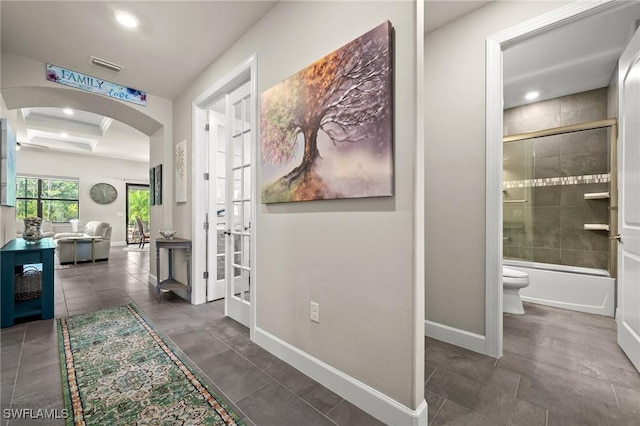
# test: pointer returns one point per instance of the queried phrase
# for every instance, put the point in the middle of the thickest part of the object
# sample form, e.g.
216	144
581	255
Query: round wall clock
103	193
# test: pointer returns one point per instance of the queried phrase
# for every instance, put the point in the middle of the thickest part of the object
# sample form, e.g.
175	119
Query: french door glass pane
237	151
237	184
246	182
245	285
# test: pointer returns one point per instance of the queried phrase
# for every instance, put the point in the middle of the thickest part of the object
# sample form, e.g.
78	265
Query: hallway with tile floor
559	367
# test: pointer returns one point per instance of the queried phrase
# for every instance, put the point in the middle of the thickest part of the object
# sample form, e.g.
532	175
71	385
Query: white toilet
512	282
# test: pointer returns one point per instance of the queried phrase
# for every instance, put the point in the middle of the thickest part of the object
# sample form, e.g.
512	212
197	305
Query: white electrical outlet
314	312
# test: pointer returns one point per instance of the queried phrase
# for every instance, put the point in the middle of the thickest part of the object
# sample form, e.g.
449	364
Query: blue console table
18	252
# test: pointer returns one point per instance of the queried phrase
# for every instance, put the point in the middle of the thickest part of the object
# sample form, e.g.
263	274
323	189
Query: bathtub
567	287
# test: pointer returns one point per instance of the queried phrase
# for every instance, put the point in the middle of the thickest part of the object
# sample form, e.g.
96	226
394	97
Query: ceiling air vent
101	63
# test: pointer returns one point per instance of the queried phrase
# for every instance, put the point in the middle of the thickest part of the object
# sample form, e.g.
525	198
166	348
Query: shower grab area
560	214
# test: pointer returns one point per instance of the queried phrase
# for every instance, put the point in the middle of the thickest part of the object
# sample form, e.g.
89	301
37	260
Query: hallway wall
455	161
353	256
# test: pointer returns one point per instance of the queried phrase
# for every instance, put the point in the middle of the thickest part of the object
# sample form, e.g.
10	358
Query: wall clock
103	193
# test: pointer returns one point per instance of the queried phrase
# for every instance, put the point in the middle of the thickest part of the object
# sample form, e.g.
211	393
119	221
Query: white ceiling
573	58
438	13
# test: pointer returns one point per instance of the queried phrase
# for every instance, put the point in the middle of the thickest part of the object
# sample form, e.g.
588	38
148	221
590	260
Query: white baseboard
361	395
455	336
153	280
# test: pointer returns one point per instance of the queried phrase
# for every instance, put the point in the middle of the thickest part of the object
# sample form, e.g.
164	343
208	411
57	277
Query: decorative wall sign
103	193
158	184
95	85
152	186
327	131
181	171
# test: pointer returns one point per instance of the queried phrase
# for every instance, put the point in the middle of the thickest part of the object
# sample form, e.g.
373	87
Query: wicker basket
28	284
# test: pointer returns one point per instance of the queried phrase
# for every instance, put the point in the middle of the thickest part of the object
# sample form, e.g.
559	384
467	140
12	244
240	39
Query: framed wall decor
7	165
158	185
327	131
180	171
152	186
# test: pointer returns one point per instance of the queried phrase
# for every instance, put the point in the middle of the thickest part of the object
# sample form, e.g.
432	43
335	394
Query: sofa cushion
97	228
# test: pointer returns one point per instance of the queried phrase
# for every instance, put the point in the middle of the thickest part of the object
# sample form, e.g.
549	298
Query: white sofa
73	247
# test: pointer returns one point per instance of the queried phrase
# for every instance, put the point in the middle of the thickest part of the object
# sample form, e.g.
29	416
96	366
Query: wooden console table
171	283
17	253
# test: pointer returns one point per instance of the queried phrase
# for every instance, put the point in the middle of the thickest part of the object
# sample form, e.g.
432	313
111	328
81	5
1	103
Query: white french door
216	203
628	312
238	204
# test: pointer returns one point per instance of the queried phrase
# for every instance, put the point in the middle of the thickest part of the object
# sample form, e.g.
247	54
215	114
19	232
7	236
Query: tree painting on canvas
327	131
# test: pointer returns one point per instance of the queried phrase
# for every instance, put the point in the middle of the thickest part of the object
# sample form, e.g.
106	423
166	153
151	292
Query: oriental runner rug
118	370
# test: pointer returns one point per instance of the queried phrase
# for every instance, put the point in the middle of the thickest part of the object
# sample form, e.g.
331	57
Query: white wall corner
455	336
377	404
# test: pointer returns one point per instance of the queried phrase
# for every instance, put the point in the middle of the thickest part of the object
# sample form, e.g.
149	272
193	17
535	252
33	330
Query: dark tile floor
261	388
560	368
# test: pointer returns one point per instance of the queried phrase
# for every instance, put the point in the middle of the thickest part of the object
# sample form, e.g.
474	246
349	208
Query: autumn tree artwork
327	131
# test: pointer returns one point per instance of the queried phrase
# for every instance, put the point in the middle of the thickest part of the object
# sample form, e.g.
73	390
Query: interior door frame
495	44
126	212
246	70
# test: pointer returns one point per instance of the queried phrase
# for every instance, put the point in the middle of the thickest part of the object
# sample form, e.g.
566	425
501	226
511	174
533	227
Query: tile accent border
555	181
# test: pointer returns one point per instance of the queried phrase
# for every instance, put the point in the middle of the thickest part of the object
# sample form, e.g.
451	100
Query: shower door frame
612	124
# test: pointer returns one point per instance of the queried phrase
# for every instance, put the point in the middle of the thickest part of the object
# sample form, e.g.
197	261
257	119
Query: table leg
75	252
158	272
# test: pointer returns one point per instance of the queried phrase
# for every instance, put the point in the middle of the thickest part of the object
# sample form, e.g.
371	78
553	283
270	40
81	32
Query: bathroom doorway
498	46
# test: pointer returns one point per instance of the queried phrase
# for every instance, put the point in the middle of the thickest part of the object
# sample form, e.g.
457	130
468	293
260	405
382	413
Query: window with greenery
52	199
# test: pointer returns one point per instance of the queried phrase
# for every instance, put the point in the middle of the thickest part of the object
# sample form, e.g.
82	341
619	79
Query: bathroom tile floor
263	389
560	368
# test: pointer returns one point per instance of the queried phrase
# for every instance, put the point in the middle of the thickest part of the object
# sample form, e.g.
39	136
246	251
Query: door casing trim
246	70
495	44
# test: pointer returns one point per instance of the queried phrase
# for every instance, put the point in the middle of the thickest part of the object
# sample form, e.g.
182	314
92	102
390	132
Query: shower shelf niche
596	195
596	227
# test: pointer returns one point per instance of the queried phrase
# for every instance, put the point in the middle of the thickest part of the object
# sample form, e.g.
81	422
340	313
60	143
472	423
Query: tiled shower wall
545	180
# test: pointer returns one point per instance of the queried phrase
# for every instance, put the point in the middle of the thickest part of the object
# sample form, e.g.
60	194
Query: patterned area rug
117	370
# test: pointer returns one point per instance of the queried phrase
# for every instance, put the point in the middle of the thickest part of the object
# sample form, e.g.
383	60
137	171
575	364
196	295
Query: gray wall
455	159
353	257
548	227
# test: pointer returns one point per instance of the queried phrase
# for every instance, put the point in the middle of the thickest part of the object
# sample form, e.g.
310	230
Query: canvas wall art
181	171
158	185
152	186
327	131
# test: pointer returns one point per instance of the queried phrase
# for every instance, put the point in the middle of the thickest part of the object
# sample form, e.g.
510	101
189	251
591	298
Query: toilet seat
513	278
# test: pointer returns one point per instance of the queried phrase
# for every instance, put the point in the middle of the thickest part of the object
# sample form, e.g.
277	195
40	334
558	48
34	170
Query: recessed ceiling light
126	19
68	111
531	96
64	135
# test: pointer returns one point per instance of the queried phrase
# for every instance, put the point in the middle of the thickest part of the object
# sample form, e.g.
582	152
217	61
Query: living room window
52	199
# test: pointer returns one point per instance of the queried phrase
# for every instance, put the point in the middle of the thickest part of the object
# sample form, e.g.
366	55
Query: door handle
616	237
227	232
